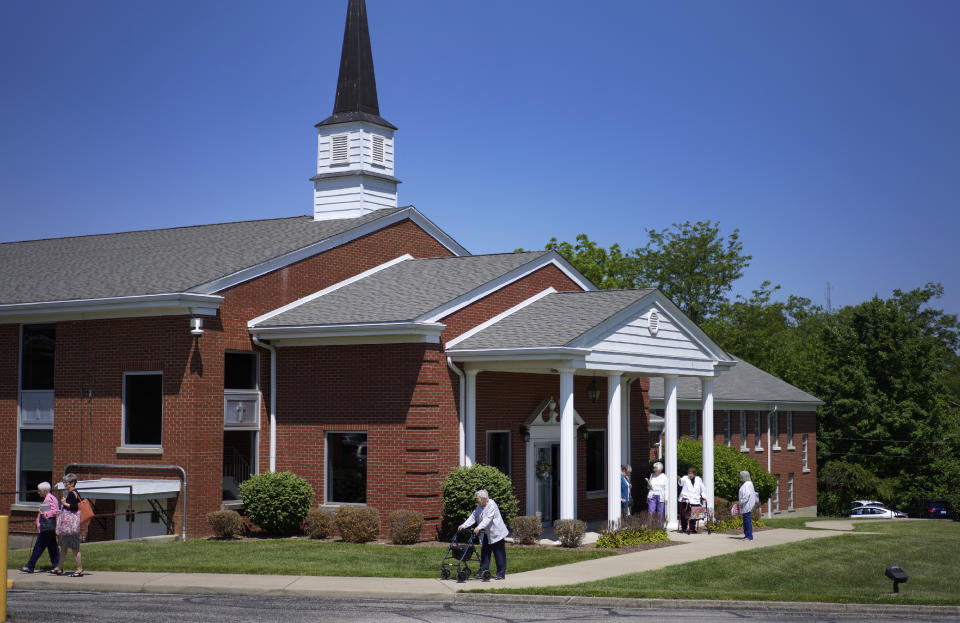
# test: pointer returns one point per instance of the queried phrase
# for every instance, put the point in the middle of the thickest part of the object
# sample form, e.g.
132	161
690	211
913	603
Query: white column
568	445
670	452
706	387
625	421
613	448
470	419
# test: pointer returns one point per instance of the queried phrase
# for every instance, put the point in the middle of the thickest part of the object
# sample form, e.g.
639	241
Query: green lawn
293	557
845	568
797	523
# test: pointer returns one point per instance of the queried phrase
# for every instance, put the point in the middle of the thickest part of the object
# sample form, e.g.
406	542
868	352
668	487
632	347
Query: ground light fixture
898	575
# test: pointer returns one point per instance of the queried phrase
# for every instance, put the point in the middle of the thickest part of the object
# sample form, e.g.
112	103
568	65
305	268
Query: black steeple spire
356	85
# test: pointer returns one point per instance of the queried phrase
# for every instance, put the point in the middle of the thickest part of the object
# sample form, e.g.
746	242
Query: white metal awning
119	488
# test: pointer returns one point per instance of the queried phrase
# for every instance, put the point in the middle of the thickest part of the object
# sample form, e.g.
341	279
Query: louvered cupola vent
339	149
653	322
378	149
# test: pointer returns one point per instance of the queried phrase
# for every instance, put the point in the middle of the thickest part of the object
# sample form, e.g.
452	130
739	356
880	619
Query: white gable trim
492	321
169	304
504	280
372	332
258	270
666	307
328	290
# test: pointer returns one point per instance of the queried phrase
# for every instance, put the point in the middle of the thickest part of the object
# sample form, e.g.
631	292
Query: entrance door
548	481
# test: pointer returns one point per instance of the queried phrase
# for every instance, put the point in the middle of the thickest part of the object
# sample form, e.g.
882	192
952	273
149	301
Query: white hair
44	486
658	464
744	475
483	495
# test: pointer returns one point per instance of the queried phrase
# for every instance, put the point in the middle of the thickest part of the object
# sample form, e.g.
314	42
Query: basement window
347	468
142	409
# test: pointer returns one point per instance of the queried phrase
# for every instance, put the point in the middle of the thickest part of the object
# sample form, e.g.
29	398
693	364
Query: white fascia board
326	244
116	306
492	321
310	297
747	405
349	330
504	280
684	324
518	354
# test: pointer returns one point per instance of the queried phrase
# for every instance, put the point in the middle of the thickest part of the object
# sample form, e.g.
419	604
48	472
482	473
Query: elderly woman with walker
490	523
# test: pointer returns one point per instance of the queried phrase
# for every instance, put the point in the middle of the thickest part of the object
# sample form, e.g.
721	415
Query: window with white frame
241	396
789	430
758	431
694	418
743	430
806	467
35	423
143	409
775	430
498	450
726	428
776	495
790	492
346	468
596	461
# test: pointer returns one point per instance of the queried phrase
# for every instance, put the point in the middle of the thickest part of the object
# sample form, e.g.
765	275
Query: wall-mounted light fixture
525	432
583	431
196	327
593	390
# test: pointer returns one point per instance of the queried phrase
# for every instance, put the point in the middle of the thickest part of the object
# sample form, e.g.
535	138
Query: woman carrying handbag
68	526
46	530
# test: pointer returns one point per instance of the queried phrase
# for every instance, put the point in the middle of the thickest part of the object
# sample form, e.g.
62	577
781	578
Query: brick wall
783	461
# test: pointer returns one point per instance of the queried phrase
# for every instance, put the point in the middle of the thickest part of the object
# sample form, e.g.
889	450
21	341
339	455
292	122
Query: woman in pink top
46	531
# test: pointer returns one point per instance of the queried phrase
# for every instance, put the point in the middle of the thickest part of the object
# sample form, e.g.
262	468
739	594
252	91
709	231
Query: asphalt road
44	606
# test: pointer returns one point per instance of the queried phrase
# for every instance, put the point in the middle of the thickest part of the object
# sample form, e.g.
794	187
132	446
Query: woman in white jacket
747	499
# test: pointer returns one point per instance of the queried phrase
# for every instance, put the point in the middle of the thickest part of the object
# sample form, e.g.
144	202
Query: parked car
874	512
932	509
856	503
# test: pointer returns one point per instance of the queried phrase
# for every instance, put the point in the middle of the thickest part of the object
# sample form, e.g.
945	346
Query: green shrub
276	502
526	529
735	524
358	524
728	462
459	494
405	527
569	532
225	524
319	523
839	483
634	530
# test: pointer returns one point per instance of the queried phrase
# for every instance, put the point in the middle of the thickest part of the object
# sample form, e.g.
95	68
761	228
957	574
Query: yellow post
4	534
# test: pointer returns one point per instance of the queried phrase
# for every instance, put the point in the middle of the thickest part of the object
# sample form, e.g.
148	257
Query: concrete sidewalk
690	548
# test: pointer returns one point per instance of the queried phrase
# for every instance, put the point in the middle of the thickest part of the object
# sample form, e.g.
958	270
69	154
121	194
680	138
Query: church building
362	348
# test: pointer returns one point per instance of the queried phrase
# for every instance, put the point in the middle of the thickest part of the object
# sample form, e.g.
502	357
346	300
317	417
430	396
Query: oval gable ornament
653	322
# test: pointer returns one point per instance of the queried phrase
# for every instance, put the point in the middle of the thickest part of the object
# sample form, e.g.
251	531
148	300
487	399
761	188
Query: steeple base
351	196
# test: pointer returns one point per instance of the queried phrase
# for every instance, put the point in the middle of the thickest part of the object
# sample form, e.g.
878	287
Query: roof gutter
152	304
463	440
273	399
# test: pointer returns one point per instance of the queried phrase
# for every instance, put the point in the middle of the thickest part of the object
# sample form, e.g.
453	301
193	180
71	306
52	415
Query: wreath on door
543	469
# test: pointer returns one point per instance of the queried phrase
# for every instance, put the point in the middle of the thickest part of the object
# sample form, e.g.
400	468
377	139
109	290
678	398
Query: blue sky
827	132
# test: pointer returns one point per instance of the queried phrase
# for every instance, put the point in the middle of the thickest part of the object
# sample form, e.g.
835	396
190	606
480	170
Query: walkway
690	548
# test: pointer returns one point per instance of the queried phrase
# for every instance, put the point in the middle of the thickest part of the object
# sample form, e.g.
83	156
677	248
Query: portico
620	335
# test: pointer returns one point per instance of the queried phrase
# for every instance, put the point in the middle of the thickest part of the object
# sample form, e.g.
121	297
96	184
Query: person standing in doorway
747	499
490	523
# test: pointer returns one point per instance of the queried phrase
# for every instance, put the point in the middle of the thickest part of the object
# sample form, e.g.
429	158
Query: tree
727	464
692	264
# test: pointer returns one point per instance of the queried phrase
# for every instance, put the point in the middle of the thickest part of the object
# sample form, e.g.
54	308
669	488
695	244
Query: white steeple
355	144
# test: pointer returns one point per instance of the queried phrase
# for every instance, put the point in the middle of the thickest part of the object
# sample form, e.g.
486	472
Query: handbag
735	509
68	523
48	524
85	510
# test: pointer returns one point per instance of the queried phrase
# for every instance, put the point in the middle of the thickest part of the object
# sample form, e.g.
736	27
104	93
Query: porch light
583	431
525	433
593	390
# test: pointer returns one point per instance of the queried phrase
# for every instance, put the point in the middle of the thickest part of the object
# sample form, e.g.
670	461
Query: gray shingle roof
741	383
154	261
403	291
553	321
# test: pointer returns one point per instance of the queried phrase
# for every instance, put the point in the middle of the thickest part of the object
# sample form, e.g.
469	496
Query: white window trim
744	442
776	495
806	454
326	466
509	448
775	431
124	446
244	393
790	485
597	493
20	426
694	424
758	433
790	446
727	430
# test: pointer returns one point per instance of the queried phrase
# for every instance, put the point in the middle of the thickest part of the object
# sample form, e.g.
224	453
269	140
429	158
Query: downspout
459	373
770	414
273	400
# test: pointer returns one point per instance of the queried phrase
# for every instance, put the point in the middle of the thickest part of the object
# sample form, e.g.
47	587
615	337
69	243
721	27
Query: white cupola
355	144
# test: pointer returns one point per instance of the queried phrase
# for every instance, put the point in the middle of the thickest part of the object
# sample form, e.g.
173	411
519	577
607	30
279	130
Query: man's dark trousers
499	554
